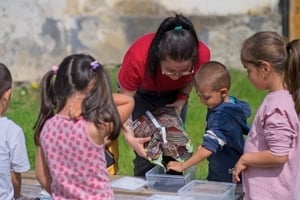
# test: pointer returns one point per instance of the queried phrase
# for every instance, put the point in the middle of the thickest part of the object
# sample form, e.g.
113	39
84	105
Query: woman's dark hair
5	79
78	73
176	39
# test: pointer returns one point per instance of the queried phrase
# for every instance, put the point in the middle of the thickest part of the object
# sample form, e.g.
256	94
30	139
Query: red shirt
132	74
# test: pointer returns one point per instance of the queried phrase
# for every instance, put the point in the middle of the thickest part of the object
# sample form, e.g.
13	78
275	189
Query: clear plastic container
157	179
163	197
207	190
128	183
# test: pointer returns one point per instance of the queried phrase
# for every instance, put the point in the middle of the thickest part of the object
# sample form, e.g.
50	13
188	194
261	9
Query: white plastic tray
128	183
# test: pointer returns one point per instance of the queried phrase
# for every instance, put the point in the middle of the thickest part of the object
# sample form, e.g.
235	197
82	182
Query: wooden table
31	188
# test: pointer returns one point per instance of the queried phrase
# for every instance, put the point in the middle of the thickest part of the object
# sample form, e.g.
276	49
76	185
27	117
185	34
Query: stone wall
37	34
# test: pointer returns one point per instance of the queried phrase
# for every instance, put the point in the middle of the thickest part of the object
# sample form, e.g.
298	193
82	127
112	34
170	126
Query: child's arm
16	180
41	170
256	159
201	154
124	105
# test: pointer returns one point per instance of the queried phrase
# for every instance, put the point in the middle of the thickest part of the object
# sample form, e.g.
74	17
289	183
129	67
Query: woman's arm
187	89
182	98
136	143
41	170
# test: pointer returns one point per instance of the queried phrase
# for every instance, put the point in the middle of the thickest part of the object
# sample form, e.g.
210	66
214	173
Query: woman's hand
178	105
136	143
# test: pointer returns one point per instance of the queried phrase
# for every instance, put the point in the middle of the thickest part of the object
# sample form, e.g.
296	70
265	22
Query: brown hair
5	79
78	72
283	57
213	73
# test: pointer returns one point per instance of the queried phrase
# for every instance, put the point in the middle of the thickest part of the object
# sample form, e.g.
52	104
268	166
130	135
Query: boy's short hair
214	74
5	79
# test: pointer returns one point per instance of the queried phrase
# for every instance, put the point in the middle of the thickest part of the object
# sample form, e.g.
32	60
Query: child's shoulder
8	123
279	99
9	129
236	108
234	104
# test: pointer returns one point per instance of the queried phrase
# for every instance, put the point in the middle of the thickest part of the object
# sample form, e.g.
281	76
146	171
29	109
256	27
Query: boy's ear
224	92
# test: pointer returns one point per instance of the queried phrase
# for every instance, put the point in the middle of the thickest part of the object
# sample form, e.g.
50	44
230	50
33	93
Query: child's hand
106	140
238	168
176	166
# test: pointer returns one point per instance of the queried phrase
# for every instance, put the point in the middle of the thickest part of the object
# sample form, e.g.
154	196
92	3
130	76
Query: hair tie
95	64
54	68
177	28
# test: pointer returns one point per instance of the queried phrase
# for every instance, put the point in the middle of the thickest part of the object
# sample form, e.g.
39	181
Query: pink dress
276	128
77	165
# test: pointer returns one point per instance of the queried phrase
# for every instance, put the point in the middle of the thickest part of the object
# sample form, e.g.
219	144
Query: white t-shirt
13	155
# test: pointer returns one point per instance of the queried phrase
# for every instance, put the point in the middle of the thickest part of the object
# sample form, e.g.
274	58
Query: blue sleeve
215	136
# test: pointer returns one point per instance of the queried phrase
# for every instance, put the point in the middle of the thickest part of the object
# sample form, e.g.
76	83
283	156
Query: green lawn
24	109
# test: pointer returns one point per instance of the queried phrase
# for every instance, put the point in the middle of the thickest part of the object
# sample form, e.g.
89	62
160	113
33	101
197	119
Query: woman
157	71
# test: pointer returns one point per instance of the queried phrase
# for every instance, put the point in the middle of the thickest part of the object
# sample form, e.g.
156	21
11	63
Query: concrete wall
35	34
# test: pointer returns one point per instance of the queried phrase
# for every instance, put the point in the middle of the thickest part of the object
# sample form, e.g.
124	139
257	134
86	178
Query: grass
24	110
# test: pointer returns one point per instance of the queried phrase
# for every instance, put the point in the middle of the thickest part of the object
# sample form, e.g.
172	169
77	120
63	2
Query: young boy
226	122
13	153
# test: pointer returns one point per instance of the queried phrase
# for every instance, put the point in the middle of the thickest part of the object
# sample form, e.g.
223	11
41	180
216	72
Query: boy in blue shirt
226	123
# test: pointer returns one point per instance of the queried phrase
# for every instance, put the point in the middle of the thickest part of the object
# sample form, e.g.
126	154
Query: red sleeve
133	68
129	73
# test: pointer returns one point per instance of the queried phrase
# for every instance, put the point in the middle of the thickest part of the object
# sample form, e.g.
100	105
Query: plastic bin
207	190
157	179
163	197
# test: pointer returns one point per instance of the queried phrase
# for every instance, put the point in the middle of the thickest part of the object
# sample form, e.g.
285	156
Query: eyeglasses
174	73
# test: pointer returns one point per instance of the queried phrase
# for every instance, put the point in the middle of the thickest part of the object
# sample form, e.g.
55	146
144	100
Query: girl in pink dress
70	160
269	164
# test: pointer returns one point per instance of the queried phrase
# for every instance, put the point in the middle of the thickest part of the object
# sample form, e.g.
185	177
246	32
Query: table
31	189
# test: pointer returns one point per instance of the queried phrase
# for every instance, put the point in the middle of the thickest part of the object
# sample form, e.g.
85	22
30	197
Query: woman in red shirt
158	70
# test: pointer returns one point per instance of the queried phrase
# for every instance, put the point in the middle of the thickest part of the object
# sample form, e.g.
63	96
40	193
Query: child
13	159
70	161
226	122
271	154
